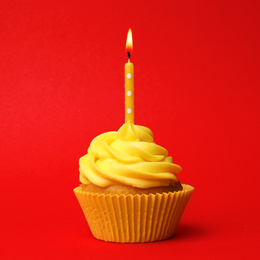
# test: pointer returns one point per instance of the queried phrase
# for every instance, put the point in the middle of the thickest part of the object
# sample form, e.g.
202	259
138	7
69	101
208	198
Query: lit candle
129	81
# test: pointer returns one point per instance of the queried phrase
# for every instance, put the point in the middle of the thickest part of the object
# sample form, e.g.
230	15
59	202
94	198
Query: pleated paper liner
133	219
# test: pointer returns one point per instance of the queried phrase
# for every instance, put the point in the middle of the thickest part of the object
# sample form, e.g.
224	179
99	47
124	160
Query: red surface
196	86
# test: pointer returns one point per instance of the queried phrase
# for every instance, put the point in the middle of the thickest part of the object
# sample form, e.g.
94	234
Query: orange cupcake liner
133	219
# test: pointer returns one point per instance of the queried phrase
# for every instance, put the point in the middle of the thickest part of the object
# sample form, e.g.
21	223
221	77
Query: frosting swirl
128	157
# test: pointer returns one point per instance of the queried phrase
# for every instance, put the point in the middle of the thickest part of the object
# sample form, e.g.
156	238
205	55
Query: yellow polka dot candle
129	81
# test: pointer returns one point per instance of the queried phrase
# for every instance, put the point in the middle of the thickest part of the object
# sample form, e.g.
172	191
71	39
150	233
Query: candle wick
129	56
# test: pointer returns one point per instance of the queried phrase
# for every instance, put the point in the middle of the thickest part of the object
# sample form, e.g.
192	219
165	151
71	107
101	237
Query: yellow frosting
128	157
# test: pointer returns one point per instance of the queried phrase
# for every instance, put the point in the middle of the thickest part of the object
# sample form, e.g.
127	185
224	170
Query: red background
196	86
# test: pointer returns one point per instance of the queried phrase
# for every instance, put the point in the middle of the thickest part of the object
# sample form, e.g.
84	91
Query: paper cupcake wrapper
133	219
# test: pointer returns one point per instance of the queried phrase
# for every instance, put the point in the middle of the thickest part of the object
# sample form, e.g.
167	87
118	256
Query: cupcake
129	191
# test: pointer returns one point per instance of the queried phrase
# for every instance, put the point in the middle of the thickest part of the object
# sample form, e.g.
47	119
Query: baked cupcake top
129	157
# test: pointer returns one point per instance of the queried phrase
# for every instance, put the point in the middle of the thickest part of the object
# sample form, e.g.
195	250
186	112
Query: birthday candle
129	81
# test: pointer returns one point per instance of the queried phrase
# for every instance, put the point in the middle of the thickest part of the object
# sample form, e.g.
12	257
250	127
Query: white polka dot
128	75
129	110
129	93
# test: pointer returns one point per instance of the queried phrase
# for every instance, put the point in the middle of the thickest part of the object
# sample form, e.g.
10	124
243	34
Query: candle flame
129	41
